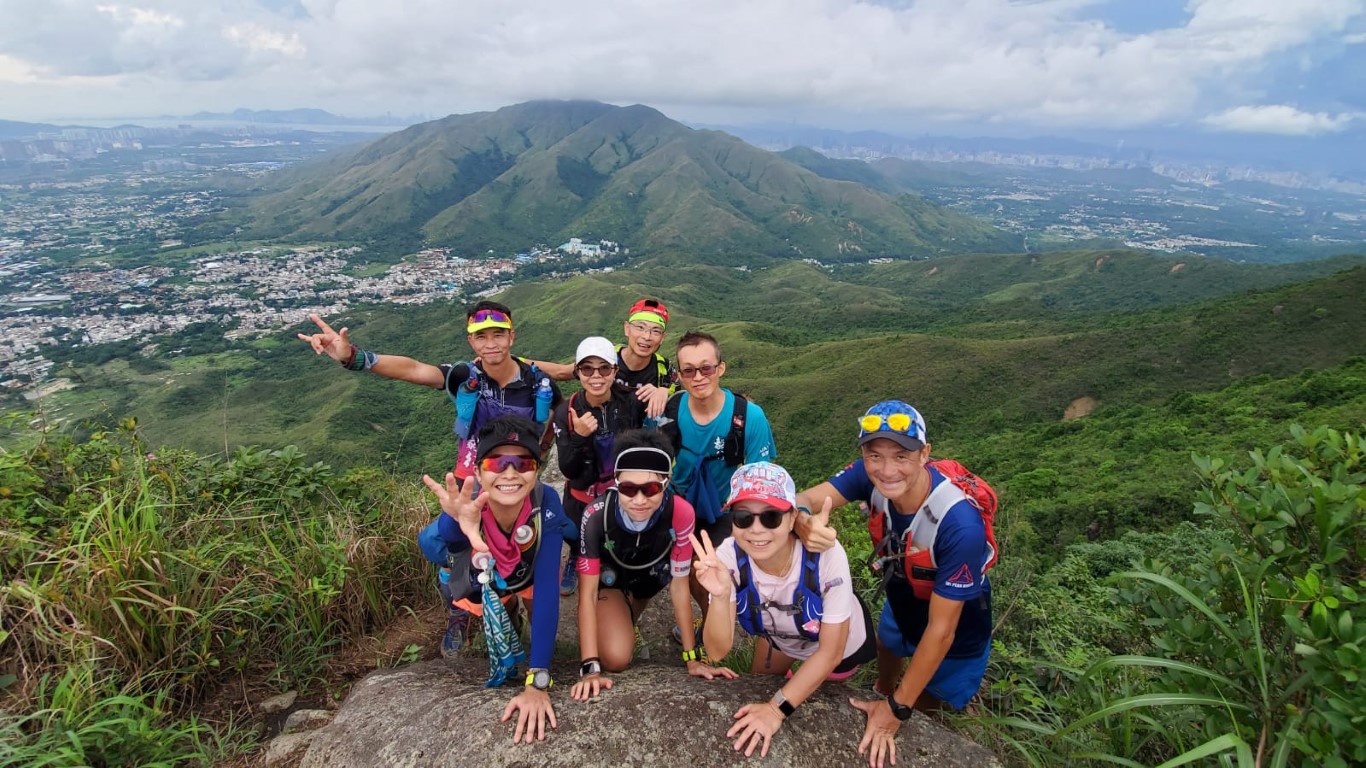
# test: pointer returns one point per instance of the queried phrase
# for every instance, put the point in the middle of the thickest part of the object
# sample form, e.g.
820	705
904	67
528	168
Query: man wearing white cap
586	425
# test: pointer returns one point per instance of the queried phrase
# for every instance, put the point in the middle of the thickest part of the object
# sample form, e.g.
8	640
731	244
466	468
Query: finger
322	325
452	487
606	683
550	715
727	673
696	544
741	712
345	335
507	711
755	737
540	719
706	542
891	749
823	517
764	752
435	486
523	726
861	705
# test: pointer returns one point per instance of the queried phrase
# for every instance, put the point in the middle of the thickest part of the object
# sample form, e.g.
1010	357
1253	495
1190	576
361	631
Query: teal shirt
706	441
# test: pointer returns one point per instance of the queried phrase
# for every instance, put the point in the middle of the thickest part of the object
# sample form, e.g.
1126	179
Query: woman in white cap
798	605
586	424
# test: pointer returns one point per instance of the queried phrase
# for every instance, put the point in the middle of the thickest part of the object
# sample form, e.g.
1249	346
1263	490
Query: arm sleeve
959	552
759	445
590	538
680	557
545	614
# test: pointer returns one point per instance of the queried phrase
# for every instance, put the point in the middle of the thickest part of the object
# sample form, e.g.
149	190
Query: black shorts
642	584
866	652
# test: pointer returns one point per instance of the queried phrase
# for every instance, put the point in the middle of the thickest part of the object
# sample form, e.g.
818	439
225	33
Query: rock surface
437	713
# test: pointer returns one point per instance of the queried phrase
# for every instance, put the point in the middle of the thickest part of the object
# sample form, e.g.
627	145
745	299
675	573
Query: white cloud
1044	63
1279	119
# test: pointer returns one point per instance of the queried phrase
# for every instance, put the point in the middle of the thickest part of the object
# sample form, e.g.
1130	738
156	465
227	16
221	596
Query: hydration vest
734	451
631	550
487	409
521	576
603	444
916	563
662	378
807	606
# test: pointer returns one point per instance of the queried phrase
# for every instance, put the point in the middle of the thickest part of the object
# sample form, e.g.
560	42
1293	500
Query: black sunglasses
770	518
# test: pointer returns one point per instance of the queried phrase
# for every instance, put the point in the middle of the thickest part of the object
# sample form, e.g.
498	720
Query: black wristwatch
780	701
538	679
590	667
899	710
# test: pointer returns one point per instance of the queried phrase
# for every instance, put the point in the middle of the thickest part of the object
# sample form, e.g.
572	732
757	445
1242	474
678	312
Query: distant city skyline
1001	67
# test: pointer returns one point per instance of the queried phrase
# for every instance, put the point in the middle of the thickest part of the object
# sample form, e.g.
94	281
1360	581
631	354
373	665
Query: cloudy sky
1278	67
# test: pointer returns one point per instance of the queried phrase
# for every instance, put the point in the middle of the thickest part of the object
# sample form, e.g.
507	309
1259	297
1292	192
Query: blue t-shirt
704	444
960	551
545	611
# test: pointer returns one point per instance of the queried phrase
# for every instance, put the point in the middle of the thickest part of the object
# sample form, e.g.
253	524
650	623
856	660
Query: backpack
661	369
465	398
734	451
807	603
916	563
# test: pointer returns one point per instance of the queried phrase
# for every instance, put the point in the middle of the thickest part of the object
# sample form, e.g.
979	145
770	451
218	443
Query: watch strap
784	706
899	710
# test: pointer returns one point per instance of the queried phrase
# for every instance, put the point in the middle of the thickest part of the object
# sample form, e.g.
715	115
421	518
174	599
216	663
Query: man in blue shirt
938	608
703	423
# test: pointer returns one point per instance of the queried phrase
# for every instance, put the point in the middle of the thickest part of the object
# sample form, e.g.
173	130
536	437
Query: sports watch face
539	678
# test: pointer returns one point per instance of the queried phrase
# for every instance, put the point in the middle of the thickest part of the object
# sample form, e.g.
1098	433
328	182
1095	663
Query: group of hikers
678	490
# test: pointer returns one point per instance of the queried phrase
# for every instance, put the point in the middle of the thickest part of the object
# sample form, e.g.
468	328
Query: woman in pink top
798	605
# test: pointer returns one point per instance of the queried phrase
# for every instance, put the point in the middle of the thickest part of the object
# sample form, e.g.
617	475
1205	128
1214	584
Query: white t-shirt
837	598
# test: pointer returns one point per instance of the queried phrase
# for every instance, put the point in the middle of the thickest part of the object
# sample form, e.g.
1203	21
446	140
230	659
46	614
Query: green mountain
542	172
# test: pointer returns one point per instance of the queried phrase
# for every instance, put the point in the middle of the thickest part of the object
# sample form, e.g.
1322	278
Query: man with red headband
498	384
640	367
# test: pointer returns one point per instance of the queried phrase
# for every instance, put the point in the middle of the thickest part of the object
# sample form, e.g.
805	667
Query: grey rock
307	719
437	713
283	748
277	703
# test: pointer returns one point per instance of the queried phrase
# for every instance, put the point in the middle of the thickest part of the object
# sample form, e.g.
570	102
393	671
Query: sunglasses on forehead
501	463
486	315
631	490
896	422
769	518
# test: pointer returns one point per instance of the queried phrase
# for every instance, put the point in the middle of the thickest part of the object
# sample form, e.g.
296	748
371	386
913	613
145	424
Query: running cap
763	481
596	346
644	459
649	310
896	421
509	430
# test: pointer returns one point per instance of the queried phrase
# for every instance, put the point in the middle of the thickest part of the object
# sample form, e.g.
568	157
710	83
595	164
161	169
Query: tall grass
138	582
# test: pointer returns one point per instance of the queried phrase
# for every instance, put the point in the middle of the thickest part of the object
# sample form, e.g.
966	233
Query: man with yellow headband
640	367
498	384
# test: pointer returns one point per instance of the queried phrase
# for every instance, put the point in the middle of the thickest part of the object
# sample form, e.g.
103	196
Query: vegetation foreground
137	581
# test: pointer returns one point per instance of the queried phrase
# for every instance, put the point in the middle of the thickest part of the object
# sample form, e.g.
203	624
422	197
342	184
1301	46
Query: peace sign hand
462	505
710	572
815	531
335	344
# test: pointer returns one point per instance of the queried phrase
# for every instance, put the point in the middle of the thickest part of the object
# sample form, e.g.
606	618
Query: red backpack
916	562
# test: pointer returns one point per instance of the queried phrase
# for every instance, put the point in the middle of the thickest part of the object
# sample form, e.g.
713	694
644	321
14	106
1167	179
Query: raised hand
462	505
588	687
654	398
585	425
710	572
815	531
334	344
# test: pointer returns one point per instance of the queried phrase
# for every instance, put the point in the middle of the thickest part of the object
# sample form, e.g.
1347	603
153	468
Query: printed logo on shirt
718	445
847	467
829	585
962	579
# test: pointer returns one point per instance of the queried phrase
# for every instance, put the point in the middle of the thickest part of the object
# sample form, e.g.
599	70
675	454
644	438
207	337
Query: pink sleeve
680	558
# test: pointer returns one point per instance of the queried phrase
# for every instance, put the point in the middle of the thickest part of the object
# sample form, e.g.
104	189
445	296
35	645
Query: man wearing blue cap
935	546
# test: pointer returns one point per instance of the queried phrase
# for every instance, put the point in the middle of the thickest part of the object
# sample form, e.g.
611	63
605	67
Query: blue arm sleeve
759	445
545	613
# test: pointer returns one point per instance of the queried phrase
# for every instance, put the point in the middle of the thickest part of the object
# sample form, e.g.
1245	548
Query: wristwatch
539	679
590	667
901	711
780	701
